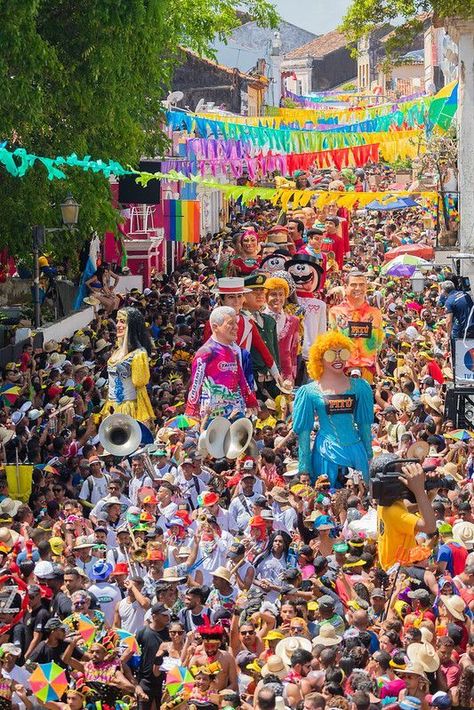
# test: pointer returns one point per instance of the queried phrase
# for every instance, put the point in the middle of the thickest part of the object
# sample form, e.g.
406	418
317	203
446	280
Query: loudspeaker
459	407
131	192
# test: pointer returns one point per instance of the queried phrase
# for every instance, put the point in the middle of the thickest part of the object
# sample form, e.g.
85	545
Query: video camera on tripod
385	486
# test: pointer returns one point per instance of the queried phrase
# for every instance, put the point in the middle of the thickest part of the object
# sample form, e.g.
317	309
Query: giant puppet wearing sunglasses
344	409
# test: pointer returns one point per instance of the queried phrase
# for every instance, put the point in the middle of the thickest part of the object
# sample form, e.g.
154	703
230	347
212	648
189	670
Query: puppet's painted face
276	262
305	276
121	324
249	244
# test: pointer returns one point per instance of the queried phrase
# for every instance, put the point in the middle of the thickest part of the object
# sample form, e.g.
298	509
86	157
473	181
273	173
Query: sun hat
425	655
171	574
327	636
17	416
222	573
273	636
101	344
286	647
433	402
279	494
35	414
401	401
323	522
83	542
50	346
57	545
463	532
455	605
8	537
276	666
412	668
10	507
101	571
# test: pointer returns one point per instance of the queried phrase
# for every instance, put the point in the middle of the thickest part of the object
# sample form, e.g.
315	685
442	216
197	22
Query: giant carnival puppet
287	325
343	407
247	254
218	383
231	292
361	322
307	272
128	368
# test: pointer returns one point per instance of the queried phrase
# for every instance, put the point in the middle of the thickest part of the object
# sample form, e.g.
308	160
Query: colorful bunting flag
182	220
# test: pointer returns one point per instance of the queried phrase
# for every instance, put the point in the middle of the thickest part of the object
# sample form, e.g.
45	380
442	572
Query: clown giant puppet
306	272
361	322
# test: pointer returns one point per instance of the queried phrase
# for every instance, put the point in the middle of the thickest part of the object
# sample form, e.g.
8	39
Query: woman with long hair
462	694
128	368
270	564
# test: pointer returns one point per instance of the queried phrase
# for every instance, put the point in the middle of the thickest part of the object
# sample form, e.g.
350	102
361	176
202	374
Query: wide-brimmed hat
35	414
286	387
50	346
100	345
451	469
418	450
327	636
56	360
455	605
413	668
464	533
5	435
279	494
10	507
435	402
278	236
222	573
276	666
8	537
83	542
425	655
401	401
170	574
286	647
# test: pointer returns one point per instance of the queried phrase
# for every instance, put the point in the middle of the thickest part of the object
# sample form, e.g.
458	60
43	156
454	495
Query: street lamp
70	215
417	282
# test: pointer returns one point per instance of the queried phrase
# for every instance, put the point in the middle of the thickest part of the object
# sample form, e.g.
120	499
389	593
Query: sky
317	16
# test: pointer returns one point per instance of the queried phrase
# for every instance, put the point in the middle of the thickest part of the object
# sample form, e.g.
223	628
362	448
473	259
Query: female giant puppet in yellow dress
128	368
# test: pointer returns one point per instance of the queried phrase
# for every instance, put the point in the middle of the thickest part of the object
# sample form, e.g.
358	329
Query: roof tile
319	47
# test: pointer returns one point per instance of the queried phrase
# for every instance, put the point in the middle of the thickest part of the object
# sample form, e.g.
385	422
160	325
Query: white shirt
284	519
135	484
108	596
94	489
242	511
132	615
99	507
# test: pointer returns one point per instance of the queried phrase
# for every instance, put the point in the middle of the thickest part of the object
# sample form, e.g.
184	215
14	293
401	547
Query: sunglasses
247	633
332	355
176	633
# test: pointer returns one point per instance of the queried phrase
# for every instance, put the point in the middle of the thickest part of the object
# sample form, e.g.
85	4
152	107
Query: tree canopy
364	15
89	77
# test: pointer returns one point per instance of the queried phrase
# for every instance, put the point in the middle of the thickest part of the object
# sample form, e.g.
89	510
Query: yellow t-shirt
269	421
396	533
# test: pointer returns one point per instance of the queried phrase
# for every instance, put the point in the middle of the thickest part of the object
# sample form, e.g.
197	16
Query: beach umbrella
85	627
128	641
48	682
178	679
9	394
394	203
459	435
424	251
181	421
403	266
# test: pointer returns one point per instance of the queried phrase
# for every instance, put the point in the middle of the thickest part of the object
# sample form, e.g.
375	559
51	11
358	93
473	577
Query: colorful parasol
459	435
128	641
181	421
9	394
179	679
85	627
48	682
424	251
403	266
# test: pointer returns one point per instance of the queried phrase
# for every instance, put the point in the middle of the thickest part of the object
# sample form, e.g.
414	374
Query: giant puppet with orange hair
287	326
344	408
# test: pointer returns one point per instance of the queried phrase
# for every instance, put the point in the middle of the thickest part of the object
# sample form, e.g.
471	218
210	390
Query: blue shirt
461	306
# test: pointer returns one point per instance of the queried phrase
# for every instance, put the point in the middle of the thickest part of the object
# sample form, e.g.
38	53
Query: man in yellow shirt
265	414
397	527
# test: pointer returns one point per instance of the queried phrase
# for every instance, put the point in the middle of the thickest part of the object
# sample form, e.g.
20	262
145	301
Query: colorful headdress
211	632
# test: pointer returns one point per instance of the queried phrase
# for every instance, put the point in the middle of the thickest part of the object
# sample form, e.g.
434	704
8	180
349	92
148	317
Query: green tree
364	15
89	77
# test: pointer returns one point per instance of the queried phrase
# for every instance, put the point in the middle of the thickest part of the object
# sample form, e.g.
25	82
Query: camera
385	487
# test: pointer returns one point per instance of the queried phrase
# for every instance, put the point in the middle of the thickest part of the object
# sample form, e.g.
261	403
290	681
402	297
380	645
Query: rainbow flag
182	220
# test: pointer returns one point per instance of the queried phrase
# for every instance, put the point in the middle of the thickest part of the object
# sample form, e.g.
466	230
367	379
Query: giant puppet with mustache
306	272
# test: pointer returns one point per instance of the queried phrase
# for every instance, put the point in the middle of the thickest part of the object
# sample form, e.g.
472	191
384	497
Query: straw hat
5	435
401	402
275	666
10	507
101	344
222	573
451	469
425	655
413	669
286	647
50	346
418	450
464	533
8	537
170	574
327	636
435	402
56	360
455	605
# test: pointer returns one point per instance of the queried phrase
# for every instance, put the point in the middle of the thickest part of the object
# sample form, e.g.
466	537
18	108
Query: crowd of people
172	577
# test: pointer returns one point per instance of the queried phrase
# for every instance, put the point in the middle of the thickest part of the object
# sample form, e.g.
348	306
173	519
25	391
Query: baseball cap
378	593
235	550
160	608
326	601
440	700
53	624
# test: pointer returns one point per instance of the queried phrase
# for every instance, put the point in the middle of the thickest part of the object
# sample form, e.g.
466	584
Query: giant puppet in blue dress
343	407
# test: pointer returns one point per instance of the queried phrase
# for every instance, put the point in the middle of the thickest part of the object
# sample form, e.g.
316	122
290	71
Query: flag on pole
182	220
89	270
